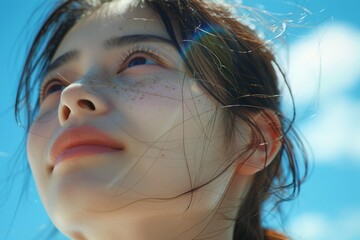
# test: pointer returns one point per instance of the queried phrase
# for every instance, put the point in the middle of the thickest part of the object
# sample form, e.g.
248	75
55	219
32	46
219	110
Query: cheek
40	133
37	146
171	117
150	106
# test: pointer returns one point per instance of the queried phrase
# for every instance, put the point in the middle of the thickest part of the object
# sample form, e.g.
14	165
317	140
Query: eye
139	56
140	61
51	87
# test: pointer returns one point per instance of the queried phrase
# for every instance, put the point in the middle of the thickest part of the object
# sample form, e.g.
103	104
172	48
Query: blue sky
322	61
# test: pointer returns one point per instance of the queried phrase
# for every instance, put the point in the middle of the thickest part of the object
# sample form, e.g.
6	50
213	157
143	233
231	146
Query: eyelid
45	84
139	51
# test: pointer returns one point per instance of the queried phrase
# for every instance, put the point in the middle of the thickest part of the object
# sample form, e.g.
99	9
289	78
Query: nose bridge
80	101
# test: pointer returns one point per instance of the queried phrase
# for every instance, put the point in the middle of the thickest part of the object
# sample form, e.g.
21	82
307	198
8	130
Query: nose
78	101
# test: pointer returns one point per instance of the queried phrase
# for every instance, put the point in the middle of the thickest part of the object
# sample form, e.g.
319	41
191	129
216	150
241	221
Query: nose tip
79	102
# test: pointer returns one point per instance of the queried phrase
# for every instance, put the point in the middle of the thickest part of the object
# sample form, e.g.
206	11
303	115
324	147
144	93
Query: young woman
155	120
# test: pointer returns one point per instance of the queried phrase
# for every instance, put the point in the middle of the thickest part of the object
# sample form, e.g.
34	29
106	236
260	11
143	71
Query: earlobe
265	144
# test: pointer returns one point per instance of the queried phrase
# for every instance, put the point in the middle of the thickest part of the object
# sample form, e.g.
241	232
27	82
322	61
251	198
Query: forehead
117	18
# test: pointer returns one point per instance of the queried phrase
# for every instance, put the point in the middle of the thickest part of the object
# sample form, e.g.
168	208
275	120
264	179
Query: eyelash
45	85
123	63
127	57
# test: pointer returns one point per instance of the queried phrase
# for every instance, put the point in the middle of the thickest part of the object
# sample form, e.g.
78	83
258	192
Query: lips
80	142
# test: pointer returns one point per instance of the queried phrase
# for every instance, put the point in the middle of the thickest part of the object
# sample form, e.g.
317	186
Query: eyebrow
123	41
63	59
114	42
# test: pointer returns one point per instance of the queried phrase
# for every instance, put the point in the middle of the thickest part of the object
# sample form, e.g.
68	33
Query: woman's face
124	134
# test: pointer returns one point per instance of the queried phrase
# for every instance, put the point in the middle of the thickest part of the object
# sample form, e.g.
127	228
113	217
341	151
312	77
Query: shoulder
273	235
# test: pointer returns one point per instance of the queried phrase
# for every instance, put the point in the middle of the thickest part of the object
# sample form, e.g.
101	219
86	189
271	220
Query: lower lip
82	151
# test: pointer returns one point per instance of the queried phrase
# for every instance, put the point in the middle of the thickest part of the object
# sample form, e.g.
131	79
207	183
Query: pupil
137	61
54	88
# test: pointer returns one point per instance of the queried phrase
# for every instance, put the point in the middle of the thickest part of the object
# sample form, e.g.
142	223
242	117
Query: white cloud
232	5
334	133
309	226
328	58
324	67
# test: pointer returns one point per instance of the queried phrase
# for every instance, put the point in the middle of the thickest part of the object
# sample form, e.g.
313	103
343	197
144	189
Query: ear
265	143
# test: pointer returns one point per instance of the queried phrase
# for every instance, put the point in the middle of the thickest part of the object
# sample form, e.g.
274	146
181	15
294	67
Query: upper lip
81	136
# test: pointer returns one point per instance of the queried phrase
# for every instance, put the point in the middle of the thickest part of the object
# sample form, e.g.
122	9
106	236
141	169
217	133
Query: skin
172	130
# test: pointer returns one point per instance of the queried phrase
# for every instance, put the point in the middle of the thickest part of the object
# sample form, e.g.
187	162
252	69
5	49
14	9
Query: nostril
65	112
83	103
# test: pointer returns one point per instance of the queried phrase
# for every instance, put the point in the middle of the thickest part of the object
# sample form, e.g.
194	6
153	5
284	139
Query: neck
175	218
222	225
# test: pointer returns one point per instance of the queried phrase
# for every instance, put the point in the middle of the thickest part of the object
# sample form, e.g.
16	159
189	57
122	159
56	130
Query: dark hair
230	62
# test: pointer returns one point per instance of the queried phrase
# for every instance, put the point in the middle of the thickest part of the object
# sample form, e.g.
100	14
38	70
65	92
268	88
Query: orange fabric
273	235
